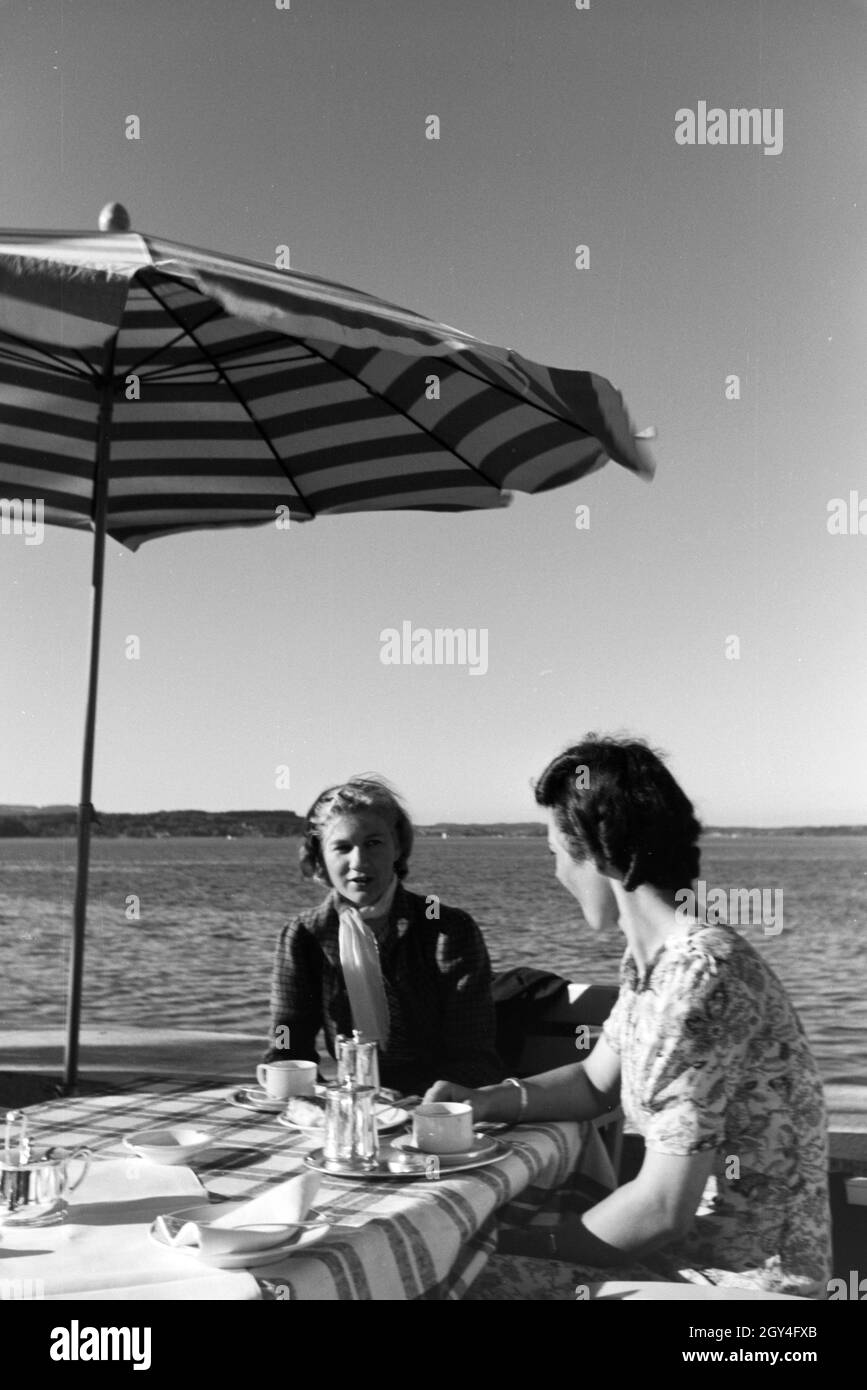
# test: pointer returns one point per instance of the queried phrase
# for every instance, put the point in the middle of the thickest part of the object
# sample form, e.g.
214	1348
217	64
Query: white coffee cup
443	1127
284	1079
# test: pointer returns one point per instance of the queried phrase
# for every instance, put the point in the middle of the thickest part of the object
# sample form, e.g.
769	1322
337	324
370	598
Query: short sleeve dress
714	1056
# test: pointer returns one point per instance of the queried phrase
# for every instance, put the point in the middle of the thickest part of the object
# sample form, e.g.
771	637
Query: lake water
200	954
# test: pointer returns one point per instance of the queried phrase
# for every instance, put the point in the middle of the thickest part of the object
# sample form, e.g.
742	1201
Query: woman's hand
450	1090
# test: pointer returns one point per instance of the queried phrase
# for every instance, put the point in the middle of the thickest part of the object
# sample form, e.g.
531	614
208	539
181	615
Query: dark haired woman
703	1048
404	969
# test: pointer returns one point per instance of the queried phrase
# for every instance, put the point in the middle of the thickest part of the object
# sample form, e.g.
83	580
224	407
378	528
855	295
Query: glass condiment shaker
351	1138
358	1060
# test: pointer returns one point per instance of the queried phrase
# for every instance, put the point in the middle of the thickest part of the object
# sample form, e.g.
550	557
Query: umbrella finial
114	218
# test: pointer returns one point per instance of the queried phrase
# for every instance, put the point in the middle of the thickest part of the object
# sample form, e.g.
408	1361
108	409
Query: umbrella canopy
149	388
230	388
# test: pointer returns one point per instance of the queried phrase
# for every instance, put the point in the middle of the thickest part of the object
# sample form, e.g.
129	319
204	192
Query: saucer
382	1171
484	1148
402	1160
255	1098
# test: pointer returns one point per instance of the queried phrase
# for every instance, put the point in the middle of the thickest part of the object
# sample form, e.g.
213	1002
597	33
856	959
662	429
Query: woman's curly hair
370	793
615	802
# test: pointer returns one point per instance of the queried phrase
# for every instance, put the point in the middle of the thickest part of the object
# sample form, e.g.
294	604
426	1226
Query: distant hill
49	821
530	829
57	821
504	829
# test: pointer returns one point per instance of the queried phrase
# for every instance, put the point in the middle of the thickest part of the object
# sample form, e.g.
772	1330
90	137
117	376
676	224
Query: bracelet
522	1090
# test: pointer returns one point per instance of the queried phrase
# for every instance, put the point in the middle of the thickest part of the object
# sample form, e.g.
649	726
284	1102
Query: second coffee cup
284	1079
443	1127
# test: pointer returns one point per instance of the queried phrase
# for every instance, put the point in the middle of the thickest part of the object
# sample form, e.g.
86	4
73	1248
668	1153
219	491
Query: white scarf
359	960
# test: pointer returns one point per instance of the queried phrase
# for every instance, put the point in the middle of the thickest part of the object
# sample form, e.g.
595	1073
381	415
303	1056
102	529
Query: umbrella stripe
39	409
144	512
134	536
498	436
499	448
332	466
503	460
229	485
342	401
52	467
287	379
178	416
39	438
71	494
591	460
37	377
525	464
185	441
376	478
446	498
184	509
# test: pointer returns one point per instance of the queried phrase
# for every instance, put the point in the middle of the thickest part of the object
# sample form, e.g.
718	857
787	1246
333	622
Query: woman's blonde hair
368	793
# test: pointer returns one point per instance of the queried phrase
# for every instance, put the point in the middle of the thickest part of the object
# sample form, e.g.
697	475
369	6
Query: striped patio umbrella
149	388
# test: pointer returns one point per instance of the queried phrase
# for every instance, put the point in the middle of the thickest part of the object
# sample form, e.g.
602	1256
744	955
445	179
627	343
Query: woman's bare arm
580	1091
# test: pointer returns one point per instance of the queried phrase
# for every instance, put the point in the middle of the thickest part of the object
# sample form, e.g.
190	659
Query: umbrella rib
522	400
166	347
236	393
494	384
181	373
63	367
237	354
215	362
266	346
424	429
304	342
559	416
214	359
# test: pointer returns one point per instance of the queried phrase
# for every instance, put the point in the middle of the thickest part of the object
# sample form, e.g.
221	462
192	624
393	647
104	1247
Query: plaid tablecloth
408	1239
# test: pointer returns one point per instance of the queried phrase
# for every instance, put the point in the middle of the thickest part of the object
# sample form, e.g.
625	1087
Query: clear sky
306	126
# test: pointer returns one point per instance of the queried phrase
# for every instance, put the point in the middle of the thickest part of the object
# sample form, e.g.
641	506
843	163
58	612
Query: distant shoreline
55	822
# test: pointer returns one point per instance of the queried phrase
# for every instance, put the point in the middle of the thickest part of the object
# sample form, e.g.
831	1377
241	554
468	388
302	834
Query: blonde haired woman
401	967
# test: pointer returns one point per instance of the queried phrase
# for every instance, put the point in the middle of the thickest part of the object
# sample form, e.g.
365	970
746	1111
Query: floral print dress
714	1056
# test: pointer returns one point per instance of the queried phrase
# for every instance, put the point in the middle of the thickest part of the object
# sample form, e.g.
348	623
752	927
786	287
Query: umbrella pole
85	806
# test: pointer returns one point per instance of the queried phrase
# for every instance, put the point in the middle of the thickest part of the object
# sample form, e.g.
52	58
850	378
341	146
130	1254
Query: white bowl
175	1144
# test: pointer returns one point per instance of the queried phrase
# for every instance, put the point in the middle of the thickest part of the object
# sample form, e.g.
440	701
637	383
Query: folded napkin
255	1225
